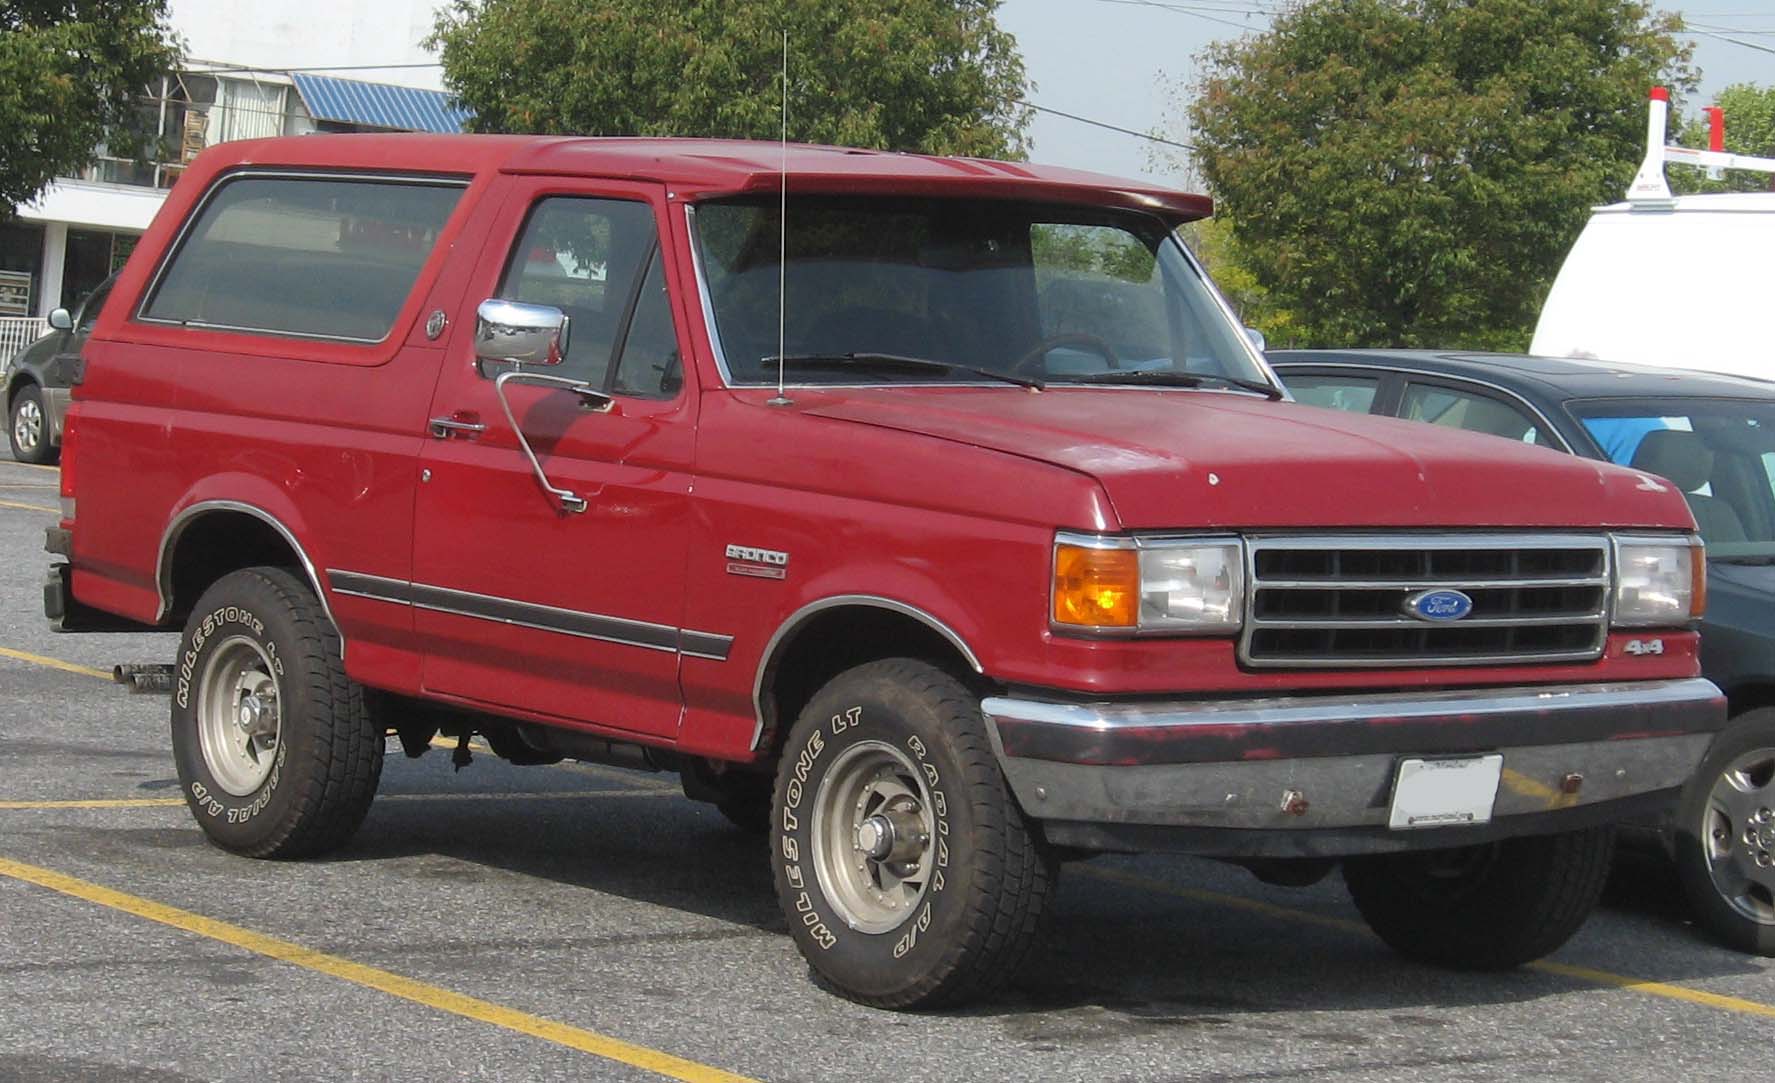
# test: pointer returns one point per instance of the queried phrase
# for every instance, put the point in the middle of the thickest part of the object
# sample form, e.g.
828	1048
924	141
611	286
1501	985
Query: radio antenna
783	234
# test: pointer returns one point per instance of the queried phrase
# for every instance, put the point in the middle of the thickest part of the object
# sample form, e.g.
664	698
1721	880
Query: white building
271	67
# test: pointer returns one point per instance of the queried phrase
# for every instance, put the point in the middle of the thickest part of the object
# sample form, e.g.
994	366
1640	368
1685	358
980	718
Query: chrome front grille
1341	601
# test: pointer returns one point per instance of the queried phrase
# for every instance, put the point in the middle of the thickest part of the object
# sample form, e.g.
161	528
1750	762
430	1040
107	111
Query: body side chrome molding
545	618
767	660
163	574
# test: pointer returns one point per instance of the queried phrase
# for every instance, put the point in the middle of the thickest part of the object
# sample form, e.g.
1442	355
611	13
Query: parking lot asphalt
580	922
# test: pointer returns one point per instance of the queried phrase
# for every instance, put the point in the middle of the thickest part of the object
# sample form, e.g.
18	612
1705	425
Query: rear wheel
908	874
1725	835
276	752
28	427
1488	907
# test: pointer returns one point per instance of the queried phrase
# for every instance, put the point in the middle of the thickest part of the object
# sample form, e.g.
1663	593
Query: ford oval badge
1438	605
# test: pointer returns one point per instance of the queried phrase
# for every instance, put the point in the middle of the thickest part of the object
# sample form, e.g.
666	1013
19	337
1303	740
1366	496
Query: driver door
522	605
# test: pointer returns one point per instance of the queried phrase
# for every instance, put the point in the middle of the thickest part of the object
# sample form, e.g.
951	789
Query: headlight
1659	581
1176	585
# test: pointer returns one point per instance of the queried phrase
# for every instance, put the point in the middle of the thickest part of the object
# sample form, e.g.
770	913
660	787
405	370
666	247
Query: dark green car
37	380
1713	437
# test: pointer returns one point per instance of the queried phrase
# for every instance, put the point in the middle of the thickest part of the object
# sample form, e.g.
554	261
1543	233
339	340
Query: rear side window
320	257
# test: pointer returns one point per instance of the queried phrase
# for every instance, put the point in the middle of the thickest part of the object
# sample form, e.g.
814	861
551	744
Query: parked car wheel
277	754
28	427
1488	907
907	872
1725	835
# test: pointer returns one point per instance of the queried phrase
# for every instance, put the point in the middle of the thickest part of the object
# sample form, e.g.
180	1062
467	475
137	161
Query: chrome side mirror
513	333
1256	338
60	320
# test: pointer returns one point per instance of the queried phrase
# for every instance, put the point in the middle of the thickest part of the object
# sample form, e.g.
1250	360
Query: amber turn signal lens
1697	580
1096	588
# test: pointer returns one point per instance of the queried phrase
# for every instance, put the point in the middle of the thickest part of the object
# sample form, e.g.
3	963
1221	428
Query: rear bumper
1313	776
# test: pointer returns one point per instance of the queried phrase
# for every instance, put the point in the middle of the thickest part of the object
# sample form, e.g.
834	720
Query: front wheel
277	754
28	427
907	872
1492	906
1725	835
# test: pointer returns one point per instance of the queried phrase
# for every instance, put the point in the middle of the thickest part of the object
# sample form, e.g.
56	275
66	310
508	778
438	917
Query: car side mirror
510	332
1256	338
60	320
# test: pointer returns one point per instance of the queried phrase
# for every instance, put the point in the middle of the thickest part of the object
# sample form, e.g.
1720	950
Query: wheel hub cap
238	718
1738	835
27	427
871	835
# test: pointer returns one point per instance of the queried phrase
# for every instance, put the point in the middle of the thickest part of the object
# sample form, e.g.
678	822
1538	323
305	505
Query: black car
37	379
1714	438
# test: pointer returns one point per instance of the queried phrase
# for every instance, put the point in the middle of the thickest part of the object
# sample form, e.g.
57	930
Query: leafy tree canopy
928	75
1412	172
1750	129
72	73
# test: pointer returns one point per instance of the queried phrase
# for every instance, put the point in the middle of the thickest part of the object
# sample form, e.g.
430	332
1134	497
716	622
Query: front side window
320	257
585	257
1719	452
1063	295
1471	411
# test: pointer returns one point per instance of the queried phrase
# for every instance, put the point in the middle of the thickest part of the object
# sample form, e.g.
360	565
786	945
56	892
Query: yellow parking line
27	507
54	663
34	466
28	485
1564	970
432	996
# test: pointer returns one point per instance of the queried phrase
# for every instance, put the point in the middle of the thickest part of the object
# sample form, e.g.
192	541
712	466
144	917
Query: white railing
17	332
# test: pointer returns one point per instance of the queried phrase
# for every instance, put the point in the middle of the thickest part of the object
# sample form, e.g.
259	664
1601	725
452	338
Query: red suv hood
1171	459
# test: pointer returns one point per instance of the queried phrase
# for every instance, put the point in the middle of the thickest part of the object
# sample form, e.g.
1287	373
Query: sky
1129	62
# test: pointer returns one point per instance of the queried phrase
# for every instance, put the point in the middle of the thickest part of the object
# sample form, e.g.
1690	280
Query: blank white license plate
1445	793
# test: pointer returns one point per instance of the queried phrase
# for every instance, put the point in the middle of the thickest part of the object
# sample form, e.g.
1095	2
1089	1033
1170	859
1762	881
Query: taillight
70	456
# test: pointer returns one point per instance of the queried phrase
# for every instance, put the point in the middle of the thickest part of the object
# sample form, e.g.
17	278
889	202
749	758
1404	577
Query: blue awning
379	105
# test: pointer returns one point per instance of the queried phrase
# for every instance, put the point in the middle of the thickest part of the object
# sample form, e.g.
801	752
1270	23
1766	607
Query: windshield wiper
890	362
1752	559
1173	378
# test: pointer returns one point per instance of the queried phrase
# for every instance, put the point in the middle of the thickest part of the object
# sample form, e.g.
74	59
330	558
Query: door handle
463	424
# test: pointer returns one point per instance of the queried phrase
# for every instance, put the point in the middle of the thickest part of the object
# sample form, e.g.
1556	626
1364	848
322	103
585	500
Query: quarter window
321	257
1352	393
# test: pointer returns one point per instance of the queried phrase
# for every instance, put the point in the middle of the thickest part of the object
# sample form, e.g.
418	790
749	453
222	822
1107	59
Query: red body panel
944	500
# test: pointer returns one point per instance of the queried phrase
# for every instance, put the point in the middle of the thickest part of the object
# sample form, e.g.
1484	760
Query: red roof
701	168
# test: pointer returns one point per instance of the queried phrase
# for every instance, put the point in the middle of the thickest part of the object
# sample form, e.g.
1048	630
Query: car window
1352	393
1471	411
649	365
92	306
1719	452
582	256
317	257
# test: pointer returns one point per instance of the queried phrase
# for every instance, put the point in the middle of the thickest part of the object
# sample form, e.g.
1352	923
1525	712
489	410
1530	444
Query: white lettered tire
276	752
907	873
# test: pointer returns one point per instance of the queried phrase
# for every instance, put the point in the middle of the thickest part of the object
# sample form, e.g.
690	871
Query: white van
1680	282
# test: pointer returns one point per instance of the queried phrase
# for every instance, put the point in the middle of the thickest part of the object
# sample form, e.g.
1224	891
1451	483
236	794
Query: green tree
72	75
1412	172
1750	129
938	76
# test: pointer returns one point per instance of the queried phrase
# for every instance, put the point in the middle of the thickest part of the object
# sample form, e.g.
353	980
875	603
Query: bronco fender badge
757	563
1438	605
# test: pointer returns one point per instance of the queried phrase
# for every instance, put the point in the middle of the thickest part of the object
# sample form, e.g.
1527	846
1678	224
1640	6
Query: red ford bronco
934	515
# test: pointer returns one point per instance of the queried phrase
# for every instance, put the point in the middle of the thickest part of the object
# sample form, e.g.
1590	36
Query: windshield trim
712	334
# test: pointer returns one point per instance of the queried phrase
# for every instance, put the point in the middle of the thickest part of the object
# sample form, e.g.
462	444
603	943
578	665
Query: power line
1103	124
1735	41
1183	9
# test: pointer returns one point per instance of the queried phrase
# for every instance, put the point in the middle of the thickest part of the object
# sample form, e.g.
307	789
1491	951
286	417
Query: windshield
1719	452
1046	294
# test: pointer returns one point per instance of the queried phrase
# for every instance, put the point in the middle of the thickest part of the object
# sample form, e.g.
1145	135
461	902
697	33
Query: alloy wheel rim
873	837
1738	835
239	717
27	425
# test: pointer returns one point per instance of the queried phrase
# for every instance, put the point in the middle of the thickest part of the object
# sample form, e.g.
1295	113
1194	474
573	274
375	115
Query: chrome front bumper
1324	765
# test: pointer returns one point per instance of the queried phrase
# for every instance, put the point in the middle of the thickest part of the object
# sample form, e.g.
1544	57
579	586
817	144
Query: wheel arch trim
773	648
169	540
